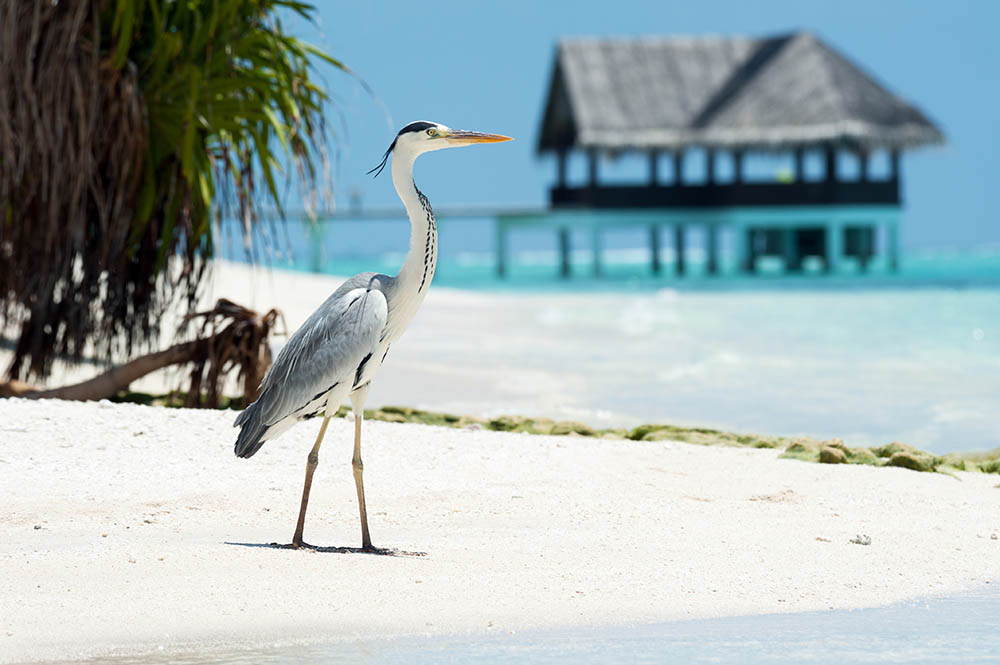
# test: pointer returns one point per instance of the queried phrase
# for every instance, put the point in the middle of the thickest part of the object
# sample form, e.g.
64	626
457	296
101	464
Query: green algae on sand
807	449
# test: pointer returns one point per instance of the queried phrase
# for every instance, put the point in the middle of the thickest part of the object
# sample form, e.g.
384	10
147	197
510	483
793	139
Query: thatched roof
673	92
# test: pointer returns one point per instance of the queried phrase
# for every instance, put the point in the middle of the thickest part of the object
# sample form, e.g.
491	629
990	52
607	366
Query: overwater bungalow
729	98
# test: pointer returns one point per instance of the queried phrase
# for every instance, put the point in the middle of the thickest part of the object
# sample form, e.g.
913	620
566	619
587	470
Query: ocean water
870	358
961	629
467	258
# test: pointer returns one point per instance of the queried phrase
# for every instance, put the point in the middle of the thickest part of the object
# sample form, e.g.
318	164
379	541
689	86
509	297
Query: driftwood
16	388
231	337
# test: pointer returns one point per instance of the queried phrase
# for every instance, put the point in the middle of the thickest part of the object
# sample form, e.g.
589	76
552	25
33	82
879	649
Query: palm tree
126	128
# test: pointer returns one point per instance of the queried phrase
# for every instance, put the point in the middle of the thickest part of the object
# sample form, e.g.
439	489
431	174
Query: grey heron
338	350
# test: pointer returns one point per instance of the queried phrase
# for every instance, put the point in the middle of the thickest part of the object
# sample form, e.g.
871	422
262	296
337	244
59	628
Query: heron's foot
368	548
300	545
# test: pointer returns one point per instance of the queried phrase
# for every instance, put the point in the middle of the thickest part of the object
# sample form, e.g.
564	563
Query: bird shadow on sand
305	547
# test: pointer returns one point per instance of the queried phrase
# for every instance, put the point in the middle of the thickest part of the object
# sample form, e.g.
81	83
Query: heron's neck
418	269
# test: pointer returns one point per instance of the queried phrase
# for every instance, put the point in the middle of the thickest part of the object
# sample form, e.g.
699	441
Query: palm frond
126	126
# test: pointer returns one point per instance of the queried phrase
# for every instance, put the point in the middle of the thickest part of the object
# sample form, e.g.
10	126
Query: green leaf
124	21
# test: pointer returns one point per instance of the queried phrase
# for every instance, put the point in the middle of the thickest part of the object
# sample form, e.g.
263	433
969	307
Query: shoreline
618	360
140	513
936	627
804	448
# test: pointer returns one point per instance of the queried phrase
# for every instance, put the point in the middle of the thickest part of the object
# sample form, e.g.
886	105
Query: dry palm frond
232	337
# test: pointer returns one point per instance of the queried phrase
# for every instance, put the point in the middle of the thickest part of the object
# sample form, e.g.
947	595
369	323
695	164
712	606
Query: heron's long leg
311	463
359	469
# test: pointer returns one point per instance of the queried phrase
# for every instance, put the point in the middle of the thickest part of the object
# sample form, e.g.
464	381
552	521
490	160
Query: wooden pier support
595	246
748	257
834	246
654	249
866	248
564	250
712	246
893	246
831	235
790	250
679	266
501	241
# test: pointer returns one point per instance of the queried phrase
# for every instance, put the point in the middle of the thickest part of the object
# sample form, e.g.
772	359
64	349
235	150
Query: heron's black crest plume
418	126
385	159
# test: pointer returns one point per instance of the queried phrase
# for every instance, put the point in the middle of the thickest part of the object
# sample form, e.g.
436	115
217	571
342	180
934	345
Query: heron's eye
432	132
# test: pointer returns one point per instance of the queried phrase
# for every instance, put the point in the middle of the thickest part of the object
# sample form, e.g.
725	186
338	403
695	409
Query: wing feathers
329	350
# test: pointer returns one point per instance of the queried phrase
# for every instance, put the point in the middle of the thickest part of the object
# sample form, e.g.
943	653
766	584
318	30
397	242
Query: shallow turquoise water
467	259
870	358
961	629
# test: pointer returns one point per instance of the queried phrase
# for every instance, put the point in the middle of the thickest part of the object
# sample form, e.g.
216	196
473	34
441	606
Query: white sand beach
129	529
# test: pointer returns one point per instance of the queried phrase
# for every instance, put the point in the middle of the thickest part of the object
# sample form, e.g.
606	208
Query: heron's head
422	136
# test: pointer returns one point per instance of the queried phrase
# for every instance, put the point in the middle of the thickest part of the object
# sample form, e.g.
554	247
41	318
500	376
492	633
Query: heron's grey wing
324	353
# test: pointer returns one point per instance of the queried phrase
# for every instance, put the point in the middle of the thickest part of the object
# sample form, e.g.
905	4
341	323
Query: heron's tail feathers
255	430
252	431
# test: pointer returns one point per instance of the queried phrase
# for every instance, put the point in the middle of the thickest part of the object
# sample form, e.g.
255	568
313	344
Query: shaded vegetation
232	338
126	128
802	448
228	339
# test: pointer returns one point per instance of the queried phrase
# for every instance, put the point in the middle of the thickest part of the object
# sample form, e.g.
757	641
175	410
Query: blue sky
484	65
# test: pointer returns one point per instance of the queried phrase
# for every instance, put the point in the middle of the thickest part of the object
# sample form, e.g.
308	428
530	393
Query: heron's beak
462	137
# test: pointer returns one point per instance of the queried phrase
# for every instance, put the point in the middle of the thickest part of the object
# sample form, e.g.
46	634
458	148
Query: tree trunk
118	378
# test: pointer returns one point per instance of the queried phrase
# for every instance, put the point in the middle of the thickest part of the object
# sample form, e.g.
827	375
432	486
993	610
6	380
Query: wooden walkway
847	230
830	232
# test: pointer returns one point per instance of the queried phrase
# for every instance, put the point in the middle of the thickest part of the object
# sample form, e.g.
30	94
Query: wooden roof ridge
765	51
672	92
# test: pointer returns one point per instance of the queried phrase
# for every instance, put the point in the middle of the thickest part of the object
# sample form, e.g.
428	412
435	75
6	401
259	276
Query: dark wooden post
790	250
893	246
501	247
800	164
831	162
834	245
592	168
863	165
678	168
679	248
654	168
654	248
866	246
738	166
595	247
749	257
564	267
896	178
713	248
710	166
561	168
